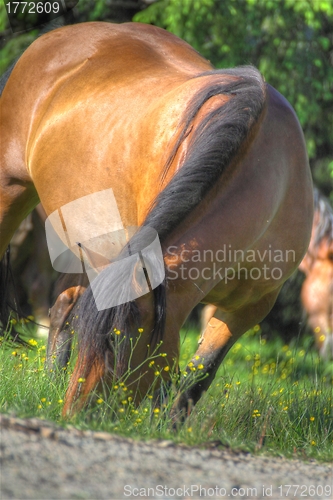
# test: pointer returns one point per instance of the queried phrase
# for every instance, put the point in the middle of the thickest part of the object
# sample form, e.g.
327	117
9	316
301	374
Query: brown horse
211	160
317	289
316	292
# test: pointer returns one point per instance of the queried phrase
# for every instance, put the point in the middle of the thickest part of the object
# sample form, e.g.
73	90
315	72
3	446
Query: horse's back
97	91
95	56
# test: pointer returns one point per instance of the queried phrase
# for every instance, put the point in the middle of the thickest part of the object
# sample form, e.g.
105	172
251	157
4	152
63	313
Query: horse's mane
324	226
214	144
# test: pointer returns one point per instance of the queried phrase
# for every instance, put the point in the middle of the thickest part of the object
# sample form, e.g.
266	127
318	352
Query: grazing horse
317	289
210	160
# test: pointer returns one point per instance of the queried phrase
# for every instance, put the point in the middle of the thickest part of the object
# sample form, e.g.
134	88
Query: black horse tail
105	337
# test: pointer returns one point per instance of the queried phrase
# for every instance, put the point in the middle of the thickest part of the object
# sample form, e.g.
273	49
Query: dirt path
42	461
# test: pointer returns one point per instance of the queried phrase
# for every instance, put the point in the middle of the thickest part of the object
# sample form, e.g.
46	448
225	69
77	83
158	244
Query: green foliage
12	46
93	10
290	42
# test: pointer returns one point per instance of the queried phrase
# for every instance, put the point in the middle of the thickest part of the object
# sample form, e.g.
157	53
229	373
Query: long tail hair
215	143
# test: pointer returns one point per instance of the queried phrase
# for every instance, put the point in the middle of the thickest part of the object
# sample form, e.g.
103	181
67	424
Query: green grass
266	397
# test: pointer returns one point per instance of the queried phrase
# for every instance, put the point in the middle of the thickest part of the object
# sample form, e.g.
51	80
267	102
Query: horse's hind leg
206	315
222	331
70	287
214	344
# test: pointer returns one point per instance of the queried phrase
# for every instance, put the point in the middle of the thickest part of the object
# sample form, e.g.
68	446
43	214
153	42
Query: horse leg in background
316	296
69	289
222	331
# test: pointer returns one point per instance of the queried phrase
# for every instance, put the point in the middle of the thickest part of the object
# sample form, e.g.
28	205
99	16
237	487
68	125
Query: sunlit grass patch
266	396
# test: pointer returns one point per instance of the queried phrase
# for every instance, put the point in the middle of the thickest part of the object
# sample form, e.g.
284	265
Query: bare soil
40	460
